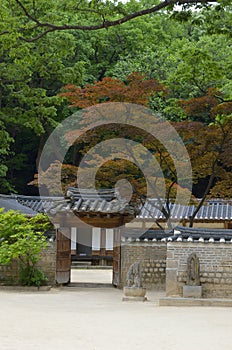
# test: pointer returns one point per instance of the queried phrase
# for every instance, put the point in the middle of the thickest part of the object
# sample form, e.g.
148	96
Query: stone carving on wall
193	270
134	290
134	276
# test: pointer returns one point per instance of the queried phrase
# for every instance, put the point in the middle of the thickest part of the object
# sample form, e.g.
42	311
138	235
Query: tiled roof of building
40	204
106	201
11	203
179	234
211	210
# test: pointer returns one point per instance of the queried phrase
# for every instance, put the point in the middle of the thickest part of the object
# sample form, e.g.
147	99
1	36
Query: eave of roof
11	203
179	234
106	202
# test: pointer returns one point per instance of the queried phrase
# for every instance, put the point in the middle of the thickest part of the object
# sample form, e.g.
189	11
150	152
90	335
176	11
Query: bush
23	238
31	276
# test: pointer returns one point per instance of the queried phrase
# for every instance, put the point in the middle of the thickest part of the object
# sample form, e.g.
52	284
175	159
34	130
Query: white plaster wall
109	239
96	238
73	238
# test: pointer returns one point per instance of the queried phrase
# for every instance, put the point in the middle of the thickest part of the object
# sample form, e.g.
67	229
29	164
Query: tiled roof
11	203
179	234
41	204
212	210
202	234
104	201
108	202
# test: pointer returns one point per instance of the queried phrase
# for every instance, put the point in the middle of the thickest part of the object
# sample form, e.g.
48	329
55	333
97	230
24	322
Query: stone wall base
192	291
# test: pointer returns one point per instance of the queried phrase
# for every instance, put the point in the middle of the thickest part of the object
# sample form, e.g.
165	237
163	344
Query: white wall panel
96	238
109	238
73	238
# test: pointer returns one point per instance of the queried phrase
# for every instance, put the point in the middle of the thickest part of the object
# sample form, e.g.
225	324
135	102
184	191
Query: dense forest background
183	56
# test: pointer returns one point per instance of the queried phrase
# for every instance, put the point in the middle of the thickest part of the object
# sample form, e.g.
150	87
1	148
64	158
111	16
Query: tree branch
5	32
27	14
105	24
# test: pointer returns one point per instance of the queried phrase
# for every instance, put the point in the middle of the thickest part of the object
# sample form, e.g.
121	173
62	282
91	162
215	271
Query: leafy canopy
43	17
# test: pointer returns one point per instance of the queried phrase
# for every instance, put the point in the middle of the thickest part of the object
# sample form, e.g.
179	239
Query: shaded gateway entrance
104	211
83	271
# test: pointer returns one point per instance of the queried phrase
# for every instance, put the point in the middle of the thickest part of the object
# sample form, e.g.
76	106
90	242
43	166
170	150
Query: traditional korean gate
63	259
117	258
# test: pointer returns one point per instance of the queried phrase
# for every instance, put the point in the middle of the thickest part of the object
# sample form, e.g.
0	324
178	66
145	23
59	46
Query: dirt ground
97	319
91	276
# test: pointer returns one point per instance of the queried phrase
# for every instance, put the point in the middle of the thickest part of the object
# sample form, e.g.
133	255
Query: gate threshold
89	285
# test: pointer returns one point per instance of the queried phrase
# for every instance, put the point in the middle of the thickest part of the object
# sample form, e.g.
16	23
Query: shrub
23	238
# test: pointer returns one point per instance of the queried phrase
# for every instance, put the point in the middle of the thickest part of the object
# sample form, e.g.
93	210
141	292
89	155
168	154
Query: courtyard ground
91	275
97	319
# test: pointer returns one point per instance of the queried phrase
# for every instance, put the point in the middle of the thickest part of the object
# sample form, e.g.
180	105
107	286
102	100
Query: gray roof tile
107	202
11	203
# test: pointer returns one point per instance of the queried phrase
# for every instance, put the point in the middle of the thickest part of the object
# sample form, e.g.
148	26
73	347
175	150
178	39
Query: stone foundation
192	291
9	274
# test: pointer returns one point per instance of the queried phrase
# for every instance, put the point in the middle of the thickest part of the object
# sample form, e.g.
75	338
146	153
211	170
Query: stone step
88	285
81	263
90	267
169	301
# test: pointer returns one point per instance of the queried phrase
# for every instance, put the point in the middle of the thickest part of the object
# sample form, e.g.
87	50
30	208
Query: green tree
5	141
31	75
187	59
201	64
44	17
38	59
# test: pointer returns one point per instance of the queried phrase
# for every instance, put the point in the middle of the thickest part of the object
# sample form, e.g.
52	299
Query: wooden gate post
63	256
117	258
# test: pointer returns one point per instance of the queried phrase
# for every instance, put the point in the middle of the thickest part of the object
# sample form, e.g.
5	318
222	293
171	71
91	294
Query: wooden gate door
63	257
117	258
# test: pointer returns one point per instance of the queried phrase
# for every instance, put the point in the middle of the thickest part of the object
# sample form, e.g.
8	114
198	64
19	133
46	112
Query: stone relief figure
193	270
134	276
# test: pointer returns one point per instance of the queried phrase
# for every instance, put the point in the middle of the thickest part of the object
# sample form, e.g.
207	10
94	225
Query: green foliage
5	141
200	65
31	76
23	238
188	51
31	276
